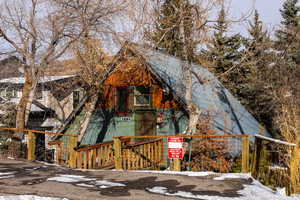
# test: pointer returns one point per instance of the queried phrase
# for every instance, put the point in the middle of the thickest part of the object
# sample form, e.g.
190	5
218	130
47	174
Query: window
39	95
76	98
121	99
2	93
10	93
142	96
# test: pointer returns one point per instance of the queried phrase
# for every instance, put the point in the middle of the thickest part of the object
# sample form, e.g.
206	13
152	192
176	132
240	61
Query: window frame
137	95
116	99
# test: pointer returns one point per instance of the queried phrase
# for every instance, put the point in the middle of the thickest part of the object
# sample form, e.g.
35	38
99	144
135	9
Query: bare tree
40	32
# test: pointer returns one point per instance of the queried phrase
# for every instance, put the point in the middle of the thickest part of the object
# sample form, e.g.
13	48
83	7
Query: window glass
76	98
142	96
11	93
39	94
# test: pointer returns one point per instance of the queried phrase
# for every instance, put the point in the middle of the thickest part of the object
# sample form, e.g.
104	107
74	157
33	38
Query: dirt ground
31	178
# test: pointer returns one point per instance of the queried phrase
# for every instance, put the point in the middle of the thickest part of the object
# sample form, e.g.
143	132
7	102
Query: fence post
176	165
245	154
30	146
72	152
294	170
118	153
58	153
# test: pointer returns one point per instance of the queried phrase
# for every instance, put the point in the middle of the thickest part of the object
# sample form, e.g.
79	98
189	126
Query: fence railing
142	155
221	153
96	156
31	144
276	163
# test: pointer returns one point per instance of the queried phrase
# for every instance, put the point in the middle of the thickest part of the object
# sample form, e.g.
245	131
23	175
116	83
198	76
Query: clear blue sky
268	10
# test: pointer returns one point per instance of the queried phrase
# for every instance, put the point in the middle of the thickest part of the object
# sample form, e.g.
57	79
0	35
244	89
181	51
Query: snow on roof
275	140
44	79
51	122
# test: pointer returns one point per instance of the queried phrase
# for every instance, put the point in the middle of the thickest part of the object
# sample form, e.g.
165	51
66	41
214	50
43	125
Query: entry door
145	123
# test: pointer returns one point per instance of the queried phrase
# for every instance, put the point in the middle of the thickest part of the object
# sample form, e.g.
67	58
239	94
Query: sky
268	10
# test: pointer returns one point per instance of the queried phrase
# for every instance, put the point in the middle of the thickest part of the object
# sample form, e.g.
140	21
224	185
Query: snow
109	184
4	175
277	167
29	197
177	173
21	80
255	191
275	140
232	176
69	178
92	182
85	185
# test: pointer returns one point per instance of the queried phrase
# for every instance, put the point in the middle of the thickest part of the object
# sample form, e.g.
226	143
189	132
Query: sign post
175	151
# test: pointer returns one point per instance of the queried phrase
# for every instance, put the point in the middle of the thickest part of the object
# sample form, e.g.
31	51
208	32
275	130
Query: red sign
175	149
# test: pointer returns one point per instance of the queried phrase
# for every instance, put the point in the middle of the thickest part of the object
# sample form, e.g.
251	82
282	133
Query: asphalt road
32	178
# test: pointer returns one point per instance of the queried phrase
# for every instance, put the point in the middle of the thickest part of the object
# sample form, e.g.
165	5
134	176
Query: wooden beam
31	146
118	153
72	153
245	155
176	165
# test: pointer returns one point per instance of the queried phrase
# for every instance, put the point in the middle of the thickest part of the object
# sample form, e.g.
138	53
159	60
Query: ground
40	179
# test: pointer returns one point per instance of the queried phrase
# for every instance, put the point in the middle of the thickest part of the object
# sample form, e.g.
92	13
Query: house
143	94
55	98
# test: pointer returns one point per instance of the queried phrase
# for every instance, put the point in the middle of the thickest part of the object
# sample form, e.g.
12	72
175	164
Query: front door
145	123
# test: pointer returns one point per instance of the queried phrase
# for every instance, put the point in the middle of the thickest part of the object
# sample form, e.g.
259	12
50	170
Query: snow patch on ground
85	185
177	173
90	182
70	178
4	175
232	176
109	184
29	197
255	191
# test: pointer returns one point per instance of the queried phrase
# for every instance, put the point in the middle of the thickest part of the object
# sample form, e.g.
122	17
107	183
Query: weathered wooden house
143	95
55	97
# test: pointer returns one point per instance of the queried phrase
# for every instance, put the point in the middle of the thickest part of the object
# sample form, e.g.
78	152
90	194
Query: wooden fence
144	155
276	163
96	156
31	144
148	155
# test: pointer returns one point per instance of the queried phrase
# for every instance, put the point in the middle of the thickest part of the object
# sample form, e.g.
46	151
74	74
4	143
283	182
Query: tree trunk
24	106
187	76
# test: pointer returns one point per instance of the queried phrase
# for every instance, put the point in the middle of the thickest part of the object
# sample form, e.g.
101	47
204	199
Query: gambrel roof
229	116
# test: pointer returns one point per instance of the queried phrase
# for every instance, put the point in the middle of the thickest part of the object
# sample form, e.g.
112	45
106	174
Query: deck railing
150	154
142	155
276	163
96	156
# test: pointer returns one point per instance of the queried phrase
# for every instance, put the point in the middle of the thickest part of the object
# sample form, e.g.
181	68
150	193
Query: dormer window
142	96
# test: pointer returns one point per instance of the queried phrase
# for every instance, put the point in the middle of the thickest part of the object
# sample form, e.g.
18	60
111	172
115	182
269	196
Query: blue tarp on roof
229	116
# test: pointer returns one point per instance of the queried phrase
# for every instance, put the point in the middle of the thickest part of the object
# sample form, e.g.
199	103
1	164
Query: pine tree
166	36
287	37
256	59
224	51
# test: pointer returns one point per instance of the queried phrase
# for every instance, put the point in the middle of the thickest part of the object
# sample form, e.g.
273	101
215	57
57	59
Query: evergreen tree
256	59
224	51
287	37
166	36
